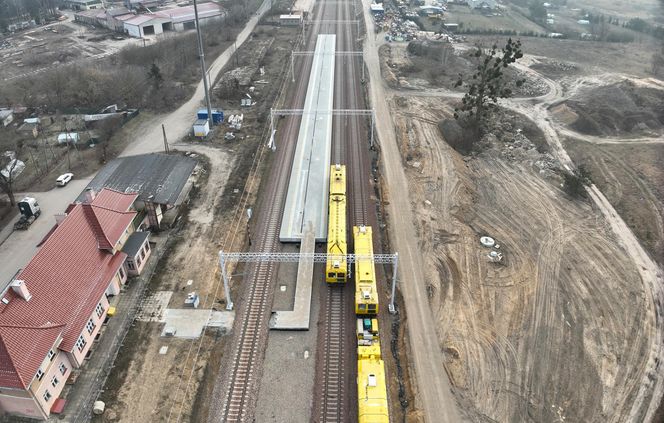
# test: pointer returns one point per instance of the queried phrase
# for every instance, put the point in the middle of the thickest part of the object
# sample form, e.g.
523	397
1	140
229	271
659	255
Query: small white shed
68	138
201	128
6	117
290	20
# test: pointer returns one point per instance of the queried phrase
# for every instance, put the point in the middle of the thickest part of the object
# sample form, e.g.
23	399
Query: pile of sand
617	109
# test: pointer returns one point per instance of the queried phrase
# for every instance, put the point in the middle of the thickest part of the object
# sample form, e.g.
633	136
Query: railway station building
60	301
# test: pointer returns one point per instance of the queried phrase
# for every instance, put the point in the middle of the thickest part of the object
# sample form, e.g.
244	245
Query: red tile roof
20	358
67	278
116	200
106	199
102	240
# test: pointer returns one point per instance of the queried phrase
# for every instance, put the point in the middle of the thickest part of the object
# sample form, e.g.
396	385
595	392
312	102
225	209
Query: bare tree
658	56
657	64
8	175
105	129
599	28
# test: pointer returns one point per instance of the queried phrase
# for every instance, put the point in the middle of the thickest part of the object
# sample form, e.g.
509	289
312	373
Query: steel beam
336	53
336	112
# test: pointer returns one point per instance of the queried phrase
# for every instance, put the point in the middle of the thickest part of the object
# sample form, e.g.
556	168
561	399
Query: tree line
18	10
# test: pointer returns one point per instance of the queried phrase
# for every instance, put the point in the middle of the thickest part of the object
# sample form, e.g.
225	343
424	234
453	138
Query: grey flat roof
159	175
134	243
310	175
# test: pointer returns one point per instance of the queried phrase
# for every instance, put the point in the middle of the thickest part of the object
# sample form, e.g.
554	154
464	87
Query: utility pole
203	67
163	129
67	145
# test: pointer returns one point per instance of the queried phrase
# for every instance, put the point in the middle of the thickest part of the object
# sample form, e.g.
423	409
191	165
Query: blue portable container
217	115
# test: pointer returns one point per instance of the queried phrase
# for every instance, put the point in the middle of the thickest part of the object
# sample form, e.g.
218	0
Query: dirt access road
434	395
178	123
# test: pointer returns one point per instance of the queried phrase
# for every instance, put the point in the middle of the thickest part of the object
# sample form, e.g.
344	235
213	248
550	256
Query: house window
40	374
50	355
63	368
130	265
142	254
121	272
47	395
147	247
138	261
99	309
80	343
54	381
90	326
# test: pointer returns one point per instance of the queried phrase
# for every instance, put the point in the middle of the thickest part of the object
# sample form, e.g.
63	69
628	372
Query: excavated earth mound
613	110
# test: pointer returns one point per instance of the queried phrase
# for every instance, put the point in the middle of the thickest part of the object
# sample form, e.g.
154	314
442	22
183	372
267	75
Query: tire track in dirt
558	330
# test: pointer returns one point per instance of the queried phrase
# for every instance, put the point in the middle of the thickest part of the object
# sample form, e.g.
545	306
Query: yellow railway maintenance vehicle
366	295
371	384
336	268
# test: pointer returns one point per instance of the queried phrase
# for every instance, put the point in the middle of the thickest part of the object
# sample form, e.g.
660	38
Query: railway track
335	400
239	387
253	322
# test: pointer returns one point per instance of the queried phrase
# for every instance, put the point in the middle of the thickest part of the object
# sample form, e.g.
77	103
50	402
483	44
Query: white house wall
133	30
158	28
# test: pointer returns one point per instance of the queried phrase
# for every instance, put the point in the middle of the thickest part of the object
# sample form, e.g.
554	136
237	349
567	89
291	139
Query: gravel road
434	394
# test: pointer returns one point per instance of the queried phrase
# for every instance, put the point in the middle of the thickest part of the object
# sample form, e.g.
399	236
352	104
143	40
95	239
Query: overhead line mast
203	67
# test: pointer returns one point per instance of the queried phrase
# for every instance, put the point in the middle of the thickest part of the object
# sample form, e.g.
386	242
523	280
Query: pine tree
486	84
154	74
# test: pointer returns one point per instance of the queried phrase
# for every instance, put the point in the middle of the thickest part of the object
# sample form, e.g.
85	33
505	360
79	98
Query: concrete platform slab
288	378
153	307
307	195
298	318
189	323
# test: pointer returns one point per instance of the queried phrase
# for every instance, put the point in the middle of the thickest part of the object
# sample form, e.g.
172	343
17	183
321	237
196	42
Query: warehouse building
89	17
142	4
83	4
145	25
111	18
183	18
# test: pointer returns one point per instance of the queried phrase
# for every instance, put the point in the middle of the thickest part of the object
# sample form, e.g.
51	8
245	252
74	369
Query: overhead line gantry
336	112
279	257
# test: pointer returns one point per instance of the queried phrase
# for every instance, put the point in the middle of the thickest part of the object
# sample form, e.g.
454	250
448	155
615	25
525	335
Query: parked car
64	179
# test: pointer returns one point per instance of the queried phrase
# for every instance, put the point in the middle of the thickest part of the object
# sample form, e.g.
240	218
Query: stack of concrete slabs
307	198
